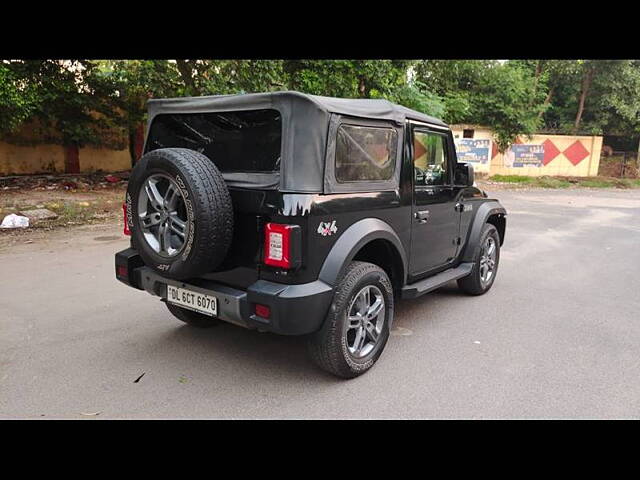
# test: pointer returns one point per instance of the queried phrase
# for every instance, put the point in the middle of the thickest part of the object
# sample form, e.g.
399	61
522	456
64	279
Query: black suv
304	215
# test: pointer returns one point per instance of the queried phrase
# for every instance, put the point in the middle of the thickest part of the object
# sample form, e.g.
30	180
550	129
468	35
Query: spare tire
179	212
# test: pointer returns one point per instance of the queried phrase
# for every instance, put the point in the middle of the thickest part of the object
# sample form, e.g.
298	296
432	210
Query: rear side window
365	153
243	141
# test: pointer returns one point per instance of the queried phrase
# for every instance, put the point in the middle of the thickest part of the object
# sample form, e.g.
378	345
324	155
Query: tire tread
213	211
325	346
471	284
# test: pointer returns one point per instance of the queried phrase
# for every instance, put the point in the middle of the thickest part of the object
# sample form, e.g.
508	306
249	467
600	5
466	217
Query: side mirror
464	174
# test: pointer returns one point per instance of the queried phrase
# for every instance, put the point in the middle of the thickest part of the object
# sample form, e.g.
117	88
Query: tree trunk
187	76
362	87
586	83
536	79
547	101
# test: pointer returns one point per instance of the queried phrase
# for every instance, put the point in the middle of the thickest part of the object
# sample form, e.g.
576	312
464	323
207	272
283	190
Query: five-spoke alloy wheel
356	329
179	212
365	321
163	216
486	258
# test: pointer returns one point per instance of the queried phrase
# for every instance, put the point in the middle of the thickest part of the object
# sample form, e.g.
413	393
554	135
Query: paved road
558	336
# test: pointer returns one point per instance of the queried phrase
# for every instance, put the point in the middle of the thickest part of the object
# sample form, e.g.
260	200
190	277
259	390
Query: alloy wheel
488	260
365	317
163	216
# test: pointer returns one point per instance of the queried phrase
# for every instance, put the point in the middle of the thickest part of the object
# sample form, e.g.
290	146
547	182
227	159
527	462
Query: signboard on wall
524	155
473	150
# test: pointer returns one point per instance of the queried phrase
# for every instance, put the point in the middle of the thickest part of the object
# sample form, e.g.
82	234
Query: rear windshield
244	141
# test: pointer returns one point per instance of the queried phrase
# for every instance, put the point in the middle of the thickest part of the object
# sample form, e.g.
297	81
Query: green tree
507	99
70	97
454	82
609	97
414	95
18	99
134	82
345	78
223	77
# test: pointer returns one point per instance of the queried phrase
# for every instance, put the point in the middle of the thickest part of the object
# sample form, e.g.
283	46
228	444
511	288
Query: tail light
262	310
122	271
282	245
126	222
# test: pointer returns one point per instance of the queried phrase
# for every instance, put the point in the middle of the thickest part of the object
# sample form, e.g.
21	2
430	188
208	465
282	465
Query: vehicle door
436	220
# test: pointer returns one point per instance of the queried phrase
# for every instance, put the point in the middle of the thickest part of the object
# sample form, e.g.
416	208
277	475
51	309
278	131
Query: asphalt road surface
558	336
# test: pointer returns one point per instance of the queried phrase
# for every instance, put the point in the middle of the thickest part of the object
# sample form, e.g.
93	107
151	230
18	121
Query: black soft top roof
358	107
305	121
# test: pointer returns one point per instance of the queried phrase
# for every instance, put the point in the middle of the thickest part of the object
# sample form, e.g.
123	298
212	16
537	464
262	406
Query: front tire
192	318
485	263
356	329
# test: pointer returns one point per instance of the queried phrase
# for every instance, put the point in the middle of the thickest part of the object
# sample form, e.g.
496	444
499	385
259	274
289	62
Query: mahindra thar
304	215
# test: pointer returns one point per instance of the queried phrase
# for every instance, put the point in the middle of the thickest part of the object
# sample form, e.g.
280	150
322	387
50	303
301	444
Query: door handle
422	215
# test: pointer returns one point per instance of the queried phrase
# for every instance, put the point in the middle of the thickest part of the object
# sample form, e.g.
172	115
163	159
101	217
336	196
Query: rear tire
178	197
364	290
477	283
192	318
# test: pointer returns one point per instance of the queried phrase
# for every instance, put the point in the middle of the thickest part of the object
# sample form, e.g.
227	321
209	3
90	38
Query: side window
365	153
429	158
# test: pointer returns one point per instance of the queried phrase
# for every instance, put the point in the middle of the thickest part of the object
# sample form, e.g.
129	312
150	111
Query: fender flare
484	211
352	240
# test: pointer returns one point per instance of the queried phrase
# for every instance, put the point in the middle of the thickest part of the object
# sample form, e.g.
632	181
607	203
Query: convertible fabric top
305	123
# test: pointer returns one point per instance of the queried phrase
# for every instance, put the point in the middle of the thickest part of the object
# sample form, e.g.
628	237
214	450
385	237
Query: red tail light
126	222
262	310
277	245
122	271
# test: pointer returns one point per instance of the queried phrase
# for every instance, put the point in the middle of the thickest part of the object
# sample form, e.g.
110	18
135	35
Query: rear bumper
295	309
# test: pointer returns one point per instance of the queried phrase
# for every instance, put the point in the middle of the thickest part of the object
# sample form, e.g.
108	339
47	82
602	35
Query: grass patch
631	182
512	179
553	182
72	213
597	183
565	182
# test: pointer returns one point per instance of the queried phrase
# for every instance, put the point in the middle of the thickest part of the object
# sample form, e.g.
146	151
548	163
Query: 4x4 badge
327	228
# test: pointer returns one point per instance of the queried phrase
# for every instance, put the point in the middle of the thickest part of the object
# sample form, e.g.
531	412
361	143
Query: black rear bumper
295	309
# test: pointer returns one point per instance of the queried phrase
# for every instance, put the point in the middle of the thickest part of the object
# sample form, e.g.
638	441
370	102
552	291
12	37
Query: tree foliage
83	99
506	98
18	99
71	100
503	96
416	96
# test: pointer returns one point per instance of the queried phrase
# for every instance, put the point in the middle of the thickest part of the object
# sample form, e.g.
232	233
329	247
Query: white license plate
192	300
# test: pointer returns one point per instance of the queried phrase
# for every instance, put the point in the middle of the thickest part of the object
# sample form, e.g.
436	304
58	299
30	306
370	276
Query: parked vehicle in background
304	215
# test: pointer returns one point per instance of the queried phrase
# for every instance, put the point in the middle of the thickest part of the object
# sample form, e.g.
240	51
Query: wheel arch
383	253
371	240
499	221
489	212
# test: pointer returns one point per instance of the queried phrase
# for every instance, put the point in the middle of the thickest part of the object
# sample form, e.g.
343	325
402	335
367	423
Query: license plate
198	302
